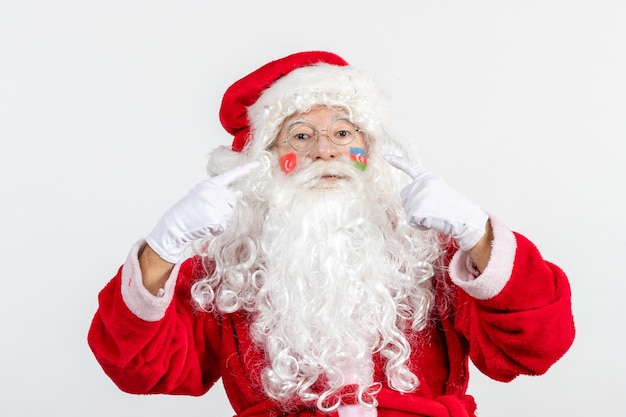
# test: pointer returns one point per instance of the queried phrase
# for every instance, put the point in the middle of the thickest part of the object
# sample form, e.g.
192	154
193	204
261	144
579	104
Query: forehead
318	114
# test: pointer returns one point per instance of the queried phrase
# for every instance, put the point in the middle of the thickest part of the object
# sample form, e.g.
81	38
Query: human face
319	118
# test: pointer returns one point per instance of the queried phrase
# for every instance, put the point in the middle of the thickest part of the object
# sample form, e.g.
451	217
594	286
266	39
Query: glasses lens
342	132
302	137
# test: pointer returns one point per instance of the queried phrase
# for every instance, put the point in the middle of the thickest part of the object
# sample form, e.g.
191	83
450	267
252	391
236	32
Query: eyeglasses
302	137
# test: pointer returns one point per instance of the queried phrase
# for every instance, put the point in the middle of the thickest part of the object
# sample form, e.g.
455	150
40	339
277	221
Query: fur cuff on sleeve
498	271
137	298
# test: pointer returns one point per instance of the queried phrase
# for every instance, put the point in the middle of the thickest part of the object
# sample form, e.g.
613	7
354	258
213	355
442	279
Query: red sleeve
178	354
527	326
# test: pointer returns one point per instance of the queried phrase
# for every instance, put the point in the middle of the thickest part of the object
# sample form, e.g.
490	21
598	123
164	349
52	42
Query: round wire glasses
303	137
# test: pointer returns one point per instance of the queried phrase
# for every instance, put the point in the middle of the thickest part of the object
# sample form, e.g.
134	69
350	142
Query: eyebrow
295	122
302	121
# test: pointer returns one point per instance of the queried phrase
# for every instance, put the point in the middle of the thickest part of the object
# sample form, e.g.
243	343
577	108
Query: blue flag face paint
359	157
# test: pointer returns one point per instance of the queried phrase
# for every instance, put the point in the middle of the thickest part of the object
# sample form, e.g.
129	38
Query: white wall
108	109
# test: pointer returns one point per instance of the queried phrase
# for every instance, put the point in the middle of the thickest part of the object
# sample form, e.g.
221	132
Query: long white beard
331	273
325	305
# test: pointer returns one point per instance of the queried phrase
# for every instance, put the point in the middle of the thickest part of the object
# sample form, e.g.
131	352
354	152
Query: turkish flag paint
288	162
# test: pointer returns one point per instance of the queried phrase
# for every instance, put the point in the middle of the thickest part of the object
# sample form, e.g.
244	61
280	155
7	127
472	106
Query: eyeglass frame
317	137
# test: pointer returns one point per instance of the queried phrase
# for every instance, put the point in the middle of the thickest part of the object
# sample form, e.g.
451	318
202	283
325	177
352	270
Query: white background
109	108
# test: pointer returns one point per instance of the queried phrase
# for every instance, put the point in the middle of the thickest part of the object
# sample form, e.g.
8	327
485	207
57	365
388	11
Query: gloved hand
207	208
432	204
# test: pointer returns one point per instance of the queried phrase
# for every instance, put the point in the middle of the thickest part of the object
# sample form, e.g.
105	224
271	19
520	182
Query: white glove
206	209
432	204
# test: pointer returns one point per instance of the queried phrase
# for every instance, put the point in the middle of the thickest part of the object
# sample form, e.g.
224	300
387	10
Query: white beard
325	305
331	273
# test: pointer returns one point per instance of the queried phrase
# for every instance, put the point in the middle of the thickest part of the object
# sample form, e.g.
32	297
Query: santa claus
318	271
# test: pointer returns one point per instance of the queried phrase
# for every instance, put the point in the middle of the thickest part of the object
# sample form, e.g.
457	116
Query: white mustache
316	170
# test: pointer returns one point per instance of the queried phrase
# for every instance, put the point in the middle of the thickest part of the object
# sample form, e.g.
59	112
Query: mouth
328	180
332	177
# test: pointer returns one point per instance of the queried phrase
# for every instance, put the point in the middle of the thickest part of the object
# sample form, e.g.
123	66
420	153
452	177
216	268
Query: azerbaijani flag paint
359	157
288	162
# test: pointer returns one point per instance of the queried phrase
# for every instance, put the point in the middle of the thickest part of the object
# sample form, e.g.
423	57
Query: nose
324	149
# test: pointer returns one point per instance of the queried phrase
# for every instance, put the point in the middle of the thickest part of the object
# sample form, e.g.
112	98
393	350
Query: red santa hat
254	107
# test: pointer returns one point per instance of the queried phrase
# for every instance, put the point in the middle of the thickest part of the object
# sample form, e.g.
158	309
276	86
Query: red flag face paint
359	157
288	162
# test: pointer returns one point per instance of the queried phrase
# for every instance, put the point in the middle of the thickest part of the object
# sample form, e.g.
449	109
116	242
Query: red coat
523	329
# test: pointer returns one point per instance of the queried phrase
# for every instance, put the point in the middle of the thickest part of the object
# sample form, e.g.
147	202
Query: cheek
288	162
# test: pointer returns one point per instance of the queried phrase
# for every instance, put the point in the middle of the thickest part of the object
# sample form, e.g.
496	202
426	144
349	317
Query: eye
342	131
343	134
299	137
302	133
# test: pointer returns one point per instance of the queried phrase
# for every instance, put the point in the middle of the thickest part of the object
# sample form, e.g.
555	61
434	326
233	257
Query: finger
404	165
232	175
